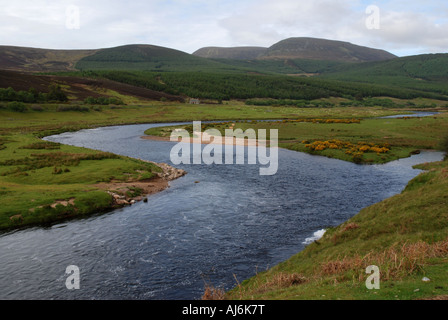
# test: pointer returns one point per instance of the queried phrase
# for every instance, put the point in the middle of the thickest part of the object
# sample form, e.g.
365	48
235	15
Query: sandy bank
205	138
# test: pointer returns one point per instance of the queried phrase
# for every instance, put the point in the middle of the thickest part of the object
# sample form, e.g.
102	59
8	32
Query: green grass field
36	176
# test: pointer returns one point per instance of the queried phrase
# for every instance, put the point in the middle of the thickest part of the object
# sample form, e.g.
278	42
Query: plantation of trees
226	86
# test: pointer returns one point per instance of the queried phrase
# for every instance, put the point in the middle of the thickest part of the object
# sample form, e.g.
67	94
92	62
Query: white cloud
406	26
408	30
268	21
401	29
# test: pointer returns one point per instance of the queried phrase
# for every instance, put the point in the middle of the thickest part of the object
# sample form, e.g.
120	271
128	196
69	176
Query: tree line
32	95
227	86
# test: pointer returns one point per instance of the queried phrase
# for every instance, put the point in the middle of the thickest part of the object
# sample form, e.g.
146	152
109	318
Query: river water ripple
232	223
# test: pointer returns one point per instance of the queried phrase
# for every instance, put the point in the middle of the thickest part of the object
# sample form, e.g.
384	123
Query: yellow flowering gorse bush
356	150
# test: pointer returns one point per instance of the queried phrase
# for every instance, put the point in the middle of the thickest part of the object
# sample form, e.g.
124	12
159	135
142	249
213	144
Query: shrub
57	170
357	157
17	106
73	108
56	94
115	100
90	100
32	95
356	151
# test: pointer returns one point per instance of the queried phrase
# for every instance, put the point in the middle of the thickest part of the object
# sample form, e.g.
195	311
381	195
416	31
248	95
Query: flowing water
230	225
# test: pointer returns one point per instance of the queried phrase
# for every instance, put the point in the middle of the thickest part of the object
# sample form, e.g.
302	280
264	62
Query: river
228	226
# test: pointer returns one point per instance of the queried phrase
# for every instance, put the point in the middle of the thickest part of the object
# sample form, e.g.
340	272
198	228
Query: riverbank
205	138
362	141
37	176
405	236
129	192
45	182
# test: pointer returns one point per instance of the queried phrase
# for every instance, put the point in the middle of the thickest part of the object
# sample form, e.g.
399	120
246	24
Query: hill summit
299	48
322	49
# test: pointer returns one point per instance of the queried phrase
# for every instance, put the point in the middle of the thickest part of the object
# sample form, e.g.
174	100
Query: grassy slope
34	177
422	72
219	84
171	71
406	236
148	58
290	66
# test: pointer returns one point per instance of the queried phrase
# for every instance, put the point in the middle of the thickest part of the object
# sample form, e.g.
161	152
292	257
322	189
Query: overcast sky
401	27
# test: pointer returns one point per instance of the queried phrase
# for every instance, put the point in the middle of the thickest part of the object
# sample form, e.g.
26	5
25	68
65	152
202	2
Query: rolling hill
40	60
128	57
321	49
427	72
209	59
299	48
147	58
420	67
337	69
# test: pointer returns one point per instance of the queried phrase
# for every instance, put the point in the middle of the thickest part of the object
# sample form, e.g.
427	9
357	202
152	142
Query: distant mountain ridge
322	49
40	60
156	58
236	53
128	57
300	48
146	58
